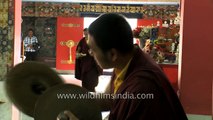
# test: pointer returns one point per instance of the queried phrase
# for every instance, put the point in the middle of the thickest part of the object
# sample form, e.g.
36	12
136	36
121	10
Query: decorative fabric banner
145	11
69	32
4	13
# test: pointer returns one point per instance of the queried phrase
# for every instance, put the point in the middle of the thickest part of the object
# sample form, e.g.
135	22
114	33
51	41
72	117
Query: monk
141	91
86	68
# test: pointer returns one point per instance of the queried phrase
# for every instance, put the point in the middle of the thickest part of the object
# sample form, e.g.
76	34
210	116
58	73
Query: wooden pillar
196	59
17	33
17	46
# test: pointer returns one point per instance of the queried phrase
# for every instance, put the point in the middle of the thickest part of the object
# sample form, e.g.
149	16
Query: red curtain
69	32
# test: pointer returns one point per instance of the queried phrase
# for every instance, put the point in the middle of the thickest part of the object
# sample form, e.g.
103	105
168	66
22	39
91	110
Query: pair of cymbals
27	81
67	102
33	88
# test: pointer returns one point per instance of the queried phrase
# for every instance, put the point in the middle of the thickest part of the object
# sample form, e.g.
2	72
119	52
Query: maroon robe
86	68
144	76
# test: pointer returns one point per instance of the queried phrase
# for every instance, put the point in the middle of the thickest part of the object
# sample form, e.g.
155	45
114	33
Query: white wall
89	20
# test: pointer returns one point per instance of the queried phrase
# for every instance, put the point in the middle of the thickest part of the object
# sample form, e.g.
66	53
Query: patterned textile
45	9
30	41
6	37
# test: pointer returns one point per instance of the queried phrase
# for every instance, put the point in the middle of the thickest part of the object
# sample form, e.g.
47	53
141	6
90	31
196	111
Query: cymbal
27	81
65	102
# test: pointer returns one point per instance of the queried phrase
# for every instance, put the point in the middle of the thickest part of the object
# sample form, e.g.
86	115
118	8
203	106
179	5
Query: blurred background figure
86	68
31	46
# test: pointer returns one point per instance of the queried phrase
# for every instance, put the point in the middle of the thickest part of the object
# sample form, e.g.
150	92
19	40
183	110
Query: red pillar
196	60
17	33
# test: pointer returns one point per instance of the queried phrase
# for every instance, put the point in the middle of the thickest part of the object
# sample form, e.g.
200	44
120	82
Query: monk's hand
79	55
67	115
83	54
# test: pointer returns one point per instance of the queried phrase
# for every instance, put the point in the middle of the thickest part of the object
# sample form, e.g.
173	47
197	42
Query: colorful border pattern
45	9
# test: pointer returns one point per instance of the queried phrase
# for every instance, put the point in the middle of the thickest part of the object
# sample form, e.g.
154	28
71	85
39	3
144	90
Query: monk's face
102	59
86	34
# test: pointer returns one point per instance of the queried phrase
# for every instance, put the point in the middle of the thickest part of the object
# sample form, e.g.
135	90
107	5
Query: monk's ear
112	54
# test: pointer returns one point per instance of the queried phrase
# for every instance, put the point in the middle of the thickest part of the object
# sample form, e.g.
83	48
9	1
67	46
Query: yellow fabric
120	76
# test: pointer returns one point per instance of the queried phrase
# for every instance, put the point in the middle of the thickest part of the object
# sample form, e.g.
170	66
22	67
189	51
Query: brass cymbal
27	81
63	102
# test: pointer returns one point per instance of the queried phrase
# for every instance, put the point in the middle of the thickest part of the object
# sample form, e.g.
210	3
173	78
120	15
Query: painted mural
45	9
45	30
42	17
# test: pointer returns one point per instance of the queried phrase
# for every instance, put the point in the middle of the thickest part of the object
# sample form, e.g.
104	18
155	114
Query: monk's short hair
111	30
85	29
